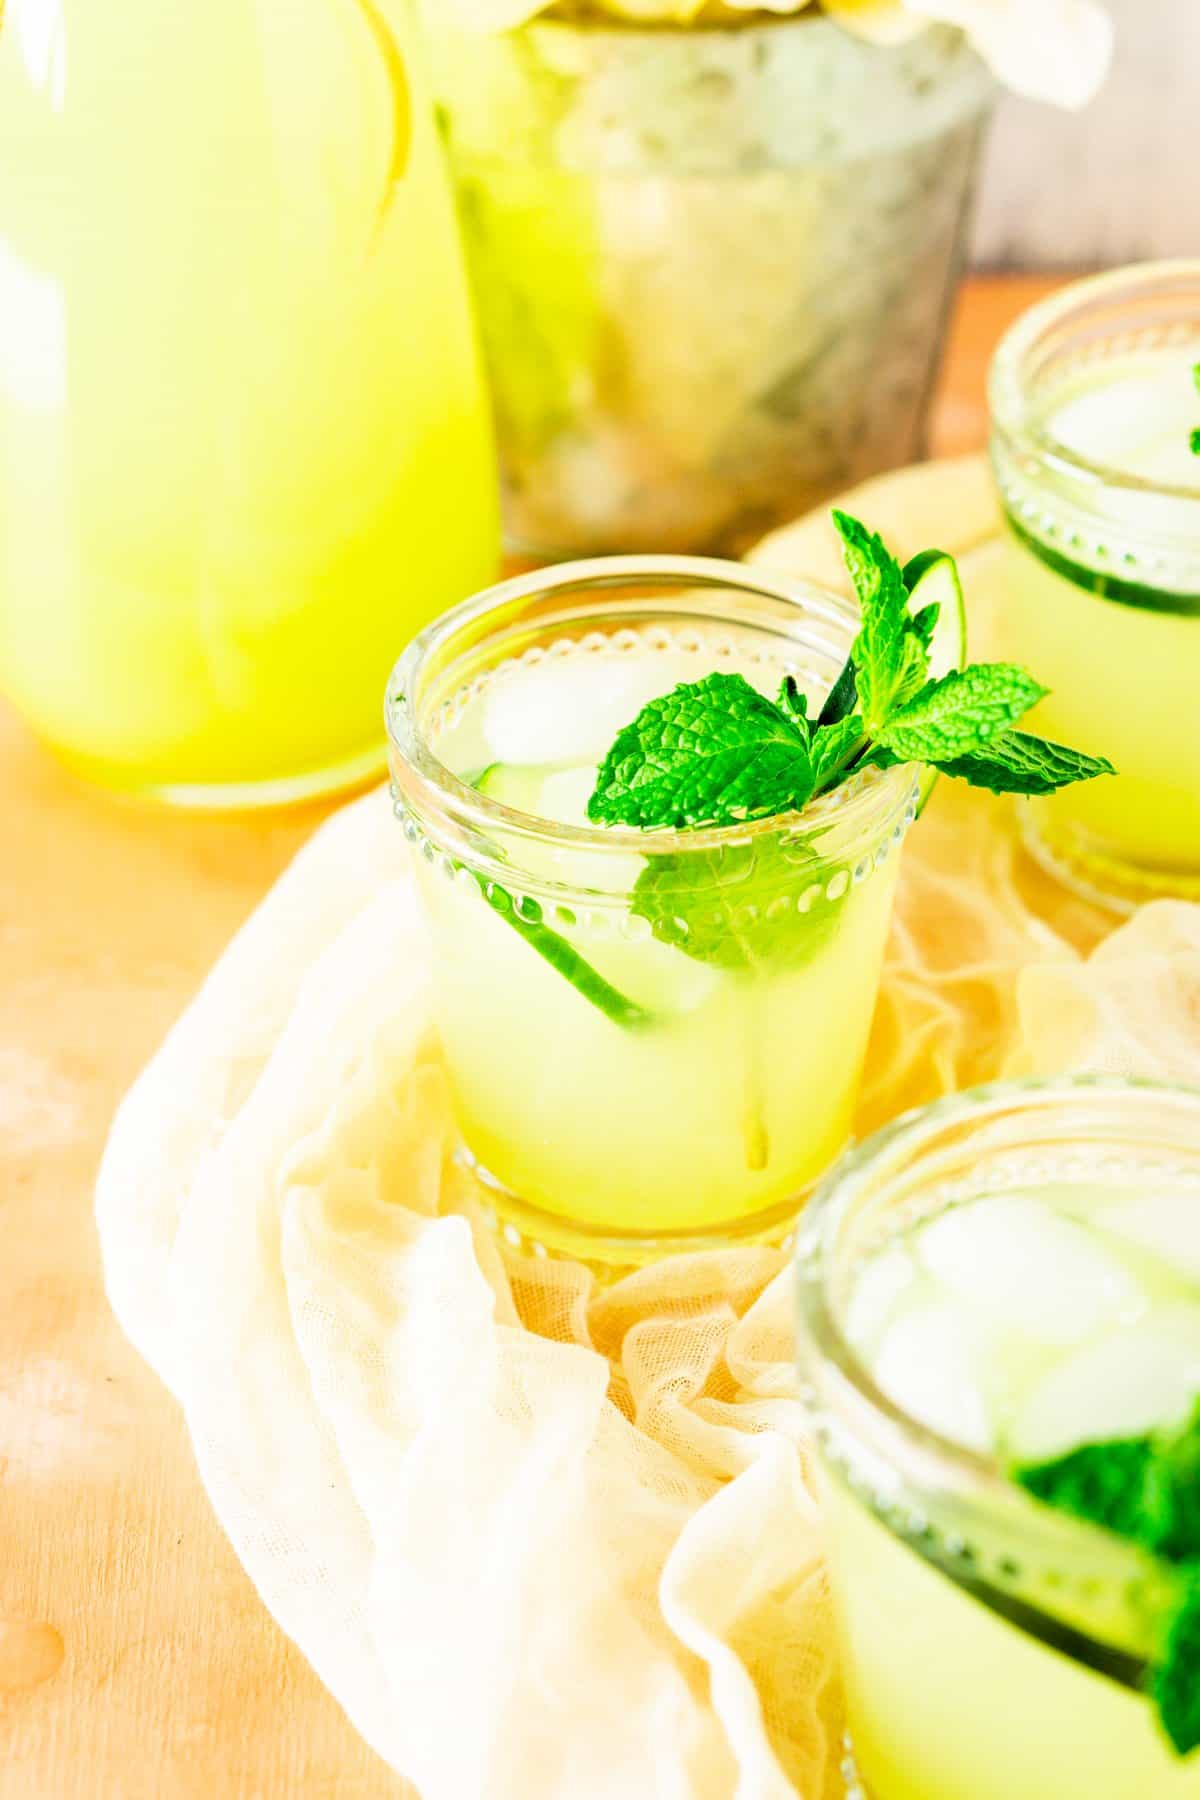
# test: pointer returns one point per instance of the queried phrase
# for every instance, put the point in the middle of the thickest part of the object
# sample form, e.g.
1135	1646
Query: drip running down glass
1094	400
629	1082
1001	1278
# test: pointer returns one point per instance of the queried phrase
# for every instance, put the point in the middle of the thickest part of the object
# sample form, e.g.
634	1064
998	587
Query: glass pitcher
244	438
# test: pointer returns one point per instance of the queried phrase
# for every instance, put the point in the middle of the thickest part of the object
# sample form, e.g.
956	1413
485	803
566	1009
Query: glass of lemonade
244	438
627	1082
1093	404
999	1279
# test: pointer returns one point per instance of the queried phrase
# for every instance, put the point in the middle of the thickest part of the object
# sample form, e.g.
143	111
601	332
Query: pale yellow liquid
741	1086
948	1701
735	1098
1124	679
1124	684
1095	1334
244	450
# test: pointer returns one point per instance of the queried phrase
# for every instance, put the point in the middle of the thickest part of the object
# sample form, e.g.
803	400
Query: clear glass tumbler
712	264
654	1040
995	1649
1093	404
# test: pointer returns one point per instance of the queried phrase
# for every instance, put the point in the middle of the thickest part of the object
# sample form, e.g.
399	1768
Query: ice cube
1144	1375
1137	416
1166	1223
571	708
1107	421
1027	1268
928	1366
880	1287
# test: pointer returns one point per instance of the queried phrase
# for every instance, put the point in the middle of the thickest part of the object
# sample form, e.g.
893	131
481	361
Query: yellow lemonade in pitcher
244	443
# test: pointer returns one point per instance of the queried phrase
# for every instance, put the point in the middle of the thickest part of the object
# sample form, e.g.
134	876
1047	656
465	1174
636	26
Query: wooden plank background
1112	184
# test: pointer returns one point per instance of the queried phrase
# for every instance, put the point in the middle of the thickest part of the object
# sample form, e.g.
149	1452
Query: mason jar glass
993	1647
712	264
1093	401
653	1039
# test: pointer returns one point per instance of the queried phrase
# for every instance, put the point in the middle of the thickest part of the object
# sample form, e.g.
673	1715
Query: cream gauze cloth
541	1540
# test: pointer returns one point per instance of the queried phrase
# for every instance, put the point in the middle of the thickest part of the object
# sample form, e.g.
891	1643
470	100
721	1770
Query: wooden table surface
135	1658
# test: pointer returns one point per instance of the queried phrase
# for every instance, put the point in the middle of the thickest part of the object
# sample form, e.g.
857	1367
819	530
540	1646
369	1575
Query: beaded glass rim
866	807
1014	416
915	1451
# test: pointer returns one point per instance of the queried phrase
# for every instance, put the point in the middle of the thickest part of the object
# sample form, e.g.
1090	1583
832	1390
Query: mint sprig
1147	1491
716	752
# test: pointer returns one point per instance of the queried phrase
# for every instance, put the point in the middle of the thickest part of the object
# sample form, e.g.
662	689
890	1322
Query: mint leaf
712	752
1147	1491
1177	1499
792	699
833	750
1107	1484
914	670
1017	763
959	714
879	649
1175	1684
842	697
737	907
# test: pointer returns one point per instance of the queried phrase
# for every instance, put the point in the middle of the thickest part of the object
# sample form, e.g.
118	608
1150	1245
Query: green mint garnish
881	654
713	752
833	750
958	715
717	752
1016	763
842	697
1111	1484
1196	434
735	906
1175	1684
1147	1491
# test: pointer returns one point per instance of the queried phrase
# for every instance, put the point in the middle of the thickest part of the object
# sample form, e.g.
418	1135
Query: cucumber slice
932	579
513	784
545	791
